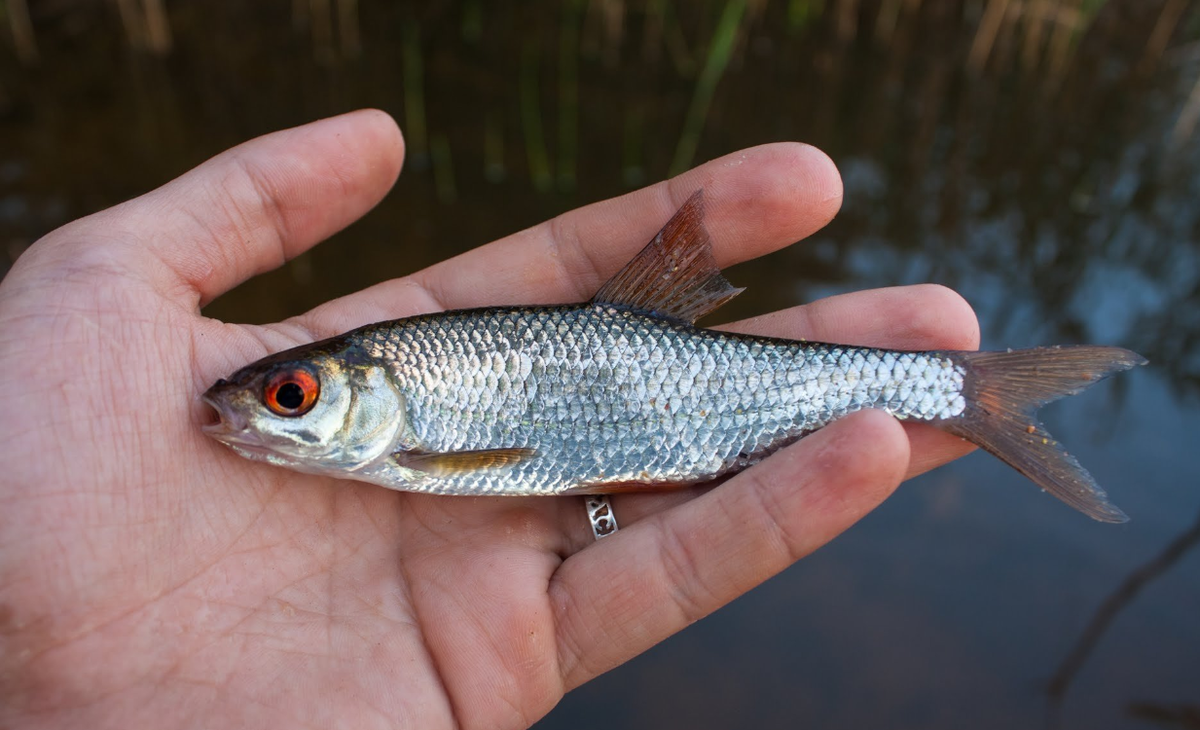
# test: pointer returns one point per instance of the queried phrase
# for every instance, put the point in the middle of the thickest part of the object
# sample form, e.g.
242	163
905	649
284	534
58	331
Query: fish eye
291	392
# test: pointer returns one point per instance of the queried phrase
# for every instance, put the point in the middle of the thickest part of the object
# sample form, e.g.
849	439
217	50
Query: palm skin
151	578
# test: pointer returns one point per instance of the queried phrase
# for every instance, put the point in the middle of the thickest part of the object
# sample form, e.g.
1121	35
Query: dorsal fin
675	275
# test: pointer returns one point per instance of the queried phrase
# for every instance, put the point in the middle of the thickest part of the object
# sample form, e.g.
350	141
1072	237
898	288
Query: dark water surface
1043	165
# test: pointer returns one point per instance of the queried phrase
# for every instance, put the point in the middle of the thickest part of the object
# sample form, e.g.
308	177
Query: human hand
151	578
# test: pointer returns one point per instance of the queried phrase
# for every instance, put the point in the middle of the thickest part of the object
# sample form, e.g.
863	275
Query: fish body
618	397
625	393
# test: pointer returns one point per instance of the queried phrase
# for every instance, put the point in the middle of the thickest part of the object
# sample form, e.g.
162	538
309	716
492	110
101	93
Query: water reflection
1169	716
1036	155
1102	621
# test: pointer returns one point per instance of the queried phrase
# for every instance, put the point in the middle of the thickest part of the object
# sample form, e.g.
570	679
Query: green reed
568	95
720	50
443	169
531	120
414	91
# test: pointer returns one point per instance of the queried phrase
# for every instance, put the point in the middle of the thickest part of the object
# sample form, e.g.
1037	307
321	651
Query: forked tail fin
1003	391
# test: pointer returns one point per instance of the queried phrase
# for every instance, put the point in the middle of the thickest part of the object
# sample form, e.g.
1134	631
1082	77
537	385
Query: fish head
324	409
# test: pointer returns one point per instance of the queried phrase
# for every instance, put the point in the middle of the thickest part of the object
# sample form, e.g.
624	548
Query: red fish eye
291	392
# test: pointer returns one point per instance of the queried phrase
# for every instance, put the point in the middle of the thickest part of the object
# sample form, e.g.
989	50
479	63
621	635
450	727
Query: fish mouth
226	424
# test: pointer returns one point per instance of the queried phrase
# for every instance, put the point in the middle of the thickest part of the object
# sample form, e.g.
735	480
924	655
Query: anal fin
625	487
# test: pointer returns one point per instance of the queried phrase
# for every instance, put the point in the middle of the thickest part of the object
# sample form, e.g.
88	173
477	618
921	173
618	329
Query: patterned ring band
600	514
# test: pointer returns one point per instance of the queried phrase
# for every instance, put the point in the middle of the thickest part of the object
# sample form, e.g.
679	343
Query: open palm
151	578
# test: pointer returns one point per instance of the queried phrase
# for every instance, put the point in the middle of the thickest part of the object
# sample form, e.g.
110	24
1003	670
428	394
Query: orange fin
675	275
1003	392
459	462
623	487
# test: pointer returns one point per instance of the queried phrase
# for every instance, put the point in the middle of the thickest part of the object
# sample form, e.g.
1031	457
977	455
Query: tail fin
1003	391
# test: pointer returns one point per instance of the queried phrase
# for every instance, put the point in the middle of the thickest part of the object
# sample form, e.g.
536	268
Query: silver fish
625	393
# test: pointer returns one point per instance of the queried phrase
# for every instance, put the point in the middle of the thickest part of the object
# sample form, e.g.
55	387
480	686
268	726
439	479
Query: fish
625	393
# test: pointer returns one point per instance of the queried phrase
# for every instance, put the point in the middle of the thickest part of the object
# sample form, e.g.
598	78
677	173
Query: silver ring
600	514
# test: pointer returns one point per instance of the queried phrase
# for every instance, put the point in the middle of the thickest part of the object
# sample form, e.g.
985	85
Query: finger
756	201
626	593
918	317
921	317
251	208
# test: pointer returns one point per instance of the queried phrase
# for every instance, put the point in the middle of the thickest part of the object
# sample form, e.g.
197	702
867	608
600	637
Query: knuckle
683	577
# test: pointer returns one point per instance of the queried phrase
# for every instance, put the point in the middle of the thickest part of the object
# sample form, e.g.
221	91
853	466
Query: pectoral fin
461	462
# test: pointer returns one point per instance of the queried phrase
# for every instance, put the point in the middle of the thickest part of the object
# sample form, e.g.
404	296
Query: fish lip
229	426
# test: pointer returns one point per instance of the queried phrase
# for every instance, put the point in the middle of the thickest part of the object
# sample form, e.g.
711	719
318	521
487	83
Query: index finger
756	201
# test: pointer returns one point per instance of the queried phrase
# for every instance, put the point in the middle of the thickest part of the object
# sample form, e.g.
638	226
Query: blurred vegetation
1038	155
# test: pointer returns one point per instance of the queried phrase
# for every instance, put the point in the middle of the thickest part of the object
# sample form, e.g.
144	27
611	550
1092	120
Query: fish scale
661	424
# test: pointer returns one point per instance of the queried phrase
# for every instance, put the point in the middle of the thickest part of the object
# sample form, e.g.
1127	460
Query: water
1054	186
